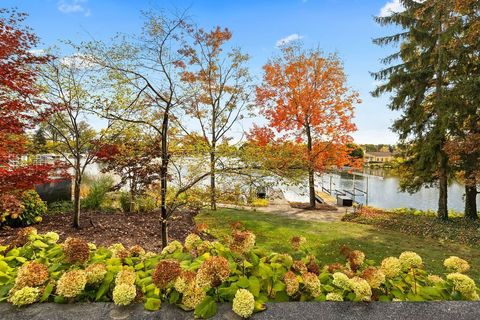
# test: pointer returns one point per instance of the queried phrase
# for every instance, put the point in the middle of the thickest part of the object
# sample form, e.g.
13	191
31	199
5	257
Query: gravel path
280	206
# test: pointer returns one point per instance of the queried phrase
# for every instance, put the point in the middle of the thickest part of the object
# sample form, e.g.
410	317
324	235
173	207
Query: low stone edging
447	310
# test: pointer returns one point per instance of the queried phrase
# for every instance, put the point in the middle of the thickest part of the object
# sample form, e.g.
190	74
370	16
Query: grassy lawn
326	238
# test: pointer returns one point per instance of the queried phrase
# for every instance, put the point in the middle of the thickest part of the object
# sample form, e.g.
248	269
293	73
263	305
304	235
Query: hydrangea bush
197	275
24	210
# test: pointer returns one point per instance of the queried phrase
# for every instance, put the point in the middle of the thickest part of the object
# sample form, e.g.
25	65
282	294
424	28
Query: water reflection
383	191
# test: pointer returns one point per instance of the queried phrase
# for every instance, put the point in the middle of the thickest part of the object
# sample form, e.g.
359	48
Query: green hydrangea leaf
153	304
206	309
254	286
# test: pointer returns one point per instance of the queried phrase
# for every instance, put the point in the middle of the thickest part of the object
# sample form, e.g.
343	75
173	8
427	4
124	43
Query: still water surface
383	191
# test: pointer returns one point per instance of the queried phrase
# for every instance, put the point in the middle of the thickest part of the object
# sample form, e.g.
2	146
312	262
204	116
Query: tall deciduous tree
304	96
66	90
419	85
143	87
219	83
17	87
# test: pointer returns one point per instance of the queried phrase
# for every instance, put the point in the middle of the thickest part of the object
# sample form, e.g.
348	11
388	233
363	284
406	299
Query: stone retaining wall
289	310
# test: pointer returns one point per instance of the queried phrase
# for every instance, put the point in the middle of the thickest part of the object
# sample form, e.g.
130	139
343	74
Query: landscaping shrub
59	207
420	223
202	273
97	192
143	203
125	201
111	202
25	210
428	213
259	202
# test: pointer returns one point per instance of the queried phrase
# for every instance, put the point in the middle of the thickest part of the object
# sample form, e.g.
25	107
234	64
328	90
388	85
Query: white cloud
391	7
74	6
78	61
37	52
288	39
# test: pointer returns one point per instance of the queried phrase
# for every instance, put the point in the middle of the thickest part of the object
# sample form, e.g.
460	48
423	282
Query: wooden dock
326	198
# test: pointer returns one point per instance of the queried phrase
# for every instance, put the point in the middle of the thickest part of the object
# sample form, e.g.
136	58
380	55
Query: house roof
379	154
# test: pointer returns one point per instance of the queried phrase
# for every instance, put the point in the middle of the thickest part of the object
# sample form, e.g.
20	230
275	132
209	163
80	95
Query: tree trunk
471	212
76	200
443	188
133	192
470	192
311	172
311	187
163	200
163	182
213	189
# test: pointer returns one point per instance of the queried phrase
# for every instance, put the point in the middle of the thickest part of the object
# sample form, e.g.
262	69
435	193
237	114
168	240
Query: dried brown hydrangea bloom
299	266
166	272
72	283
312	265
185	281
213	272
31	274
337	267
242	241
297	242
22	237
312	284
95	273
76	250
291	283
345	250
137	251
122	254
375	277
356	259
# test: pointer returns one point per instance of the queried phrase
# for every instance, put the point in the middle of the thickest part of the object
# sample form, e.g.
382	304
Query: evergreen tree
464	145
39	141
418	84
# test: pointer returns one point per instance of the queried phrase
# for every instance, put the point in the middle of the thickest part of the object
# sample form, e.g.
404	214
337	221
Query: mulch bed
104	229
318	206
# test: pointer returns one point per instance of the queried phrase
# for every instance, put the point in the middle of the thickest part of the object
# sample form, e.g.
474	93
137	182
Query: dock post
366	196
353	196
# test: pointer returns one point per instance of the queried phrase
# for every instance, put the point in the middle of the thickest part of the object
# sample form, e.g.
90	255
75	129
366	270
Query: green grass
325	238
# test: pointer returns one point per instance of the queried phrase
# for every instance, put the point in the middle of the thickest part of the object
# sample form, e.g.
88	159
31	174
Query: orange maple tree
219	79
309	109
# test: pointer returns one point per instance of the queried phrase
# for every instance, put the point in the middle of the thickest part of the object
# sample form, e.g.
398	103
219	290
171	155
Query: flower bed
198	274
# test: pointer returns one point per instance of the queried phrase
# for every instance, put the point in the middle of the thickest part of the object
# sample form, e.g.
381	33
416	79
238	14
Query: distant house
377	157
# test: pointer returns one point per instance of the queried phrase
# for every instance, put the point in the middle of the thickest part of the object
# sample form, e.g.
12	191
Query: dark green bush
60	207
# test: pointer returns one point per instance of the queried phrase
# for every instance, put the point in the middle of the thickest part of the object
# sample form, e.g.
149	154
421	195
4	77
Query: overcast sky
342	26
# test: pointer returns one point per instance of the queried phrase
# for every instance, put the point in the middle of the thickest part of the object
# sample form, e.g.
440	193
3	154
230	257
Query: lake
383	191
